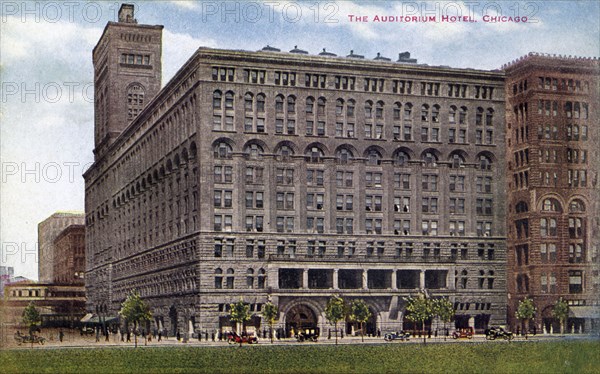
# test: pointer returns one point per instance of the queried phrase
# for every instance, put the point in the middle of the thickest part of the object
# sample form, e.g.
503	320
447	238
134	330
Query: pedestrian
159	336
212	335
379	333
97	334
178	335
61	335
128	336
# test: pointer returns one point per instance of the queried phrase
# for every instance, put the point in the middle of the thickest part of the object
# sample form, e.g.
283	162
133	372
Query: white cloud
185	4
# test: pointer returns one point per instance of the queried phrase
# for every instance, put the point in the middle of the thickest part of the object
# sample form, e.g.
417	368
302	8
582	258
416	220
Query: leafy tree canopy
31	316
335	309
134	309
360	311
526	309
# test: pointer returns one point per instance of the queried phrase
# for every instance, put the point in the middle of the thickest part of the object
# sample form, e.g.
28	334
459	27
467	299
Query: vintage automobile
497	332
307	335
396	335
463	333
26	339
234	338
86	330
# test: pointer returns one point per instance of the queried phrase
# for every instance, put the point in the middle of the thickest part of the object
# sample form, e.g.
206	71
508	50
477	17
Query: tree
561	312
360	313
419	309
444	309
335	312
135	310
239	313
31	317
271	314
525	311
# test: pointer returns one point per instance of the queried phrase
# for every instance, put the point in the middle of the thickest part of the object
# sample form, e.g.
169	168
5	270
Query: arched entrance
173	317
300	317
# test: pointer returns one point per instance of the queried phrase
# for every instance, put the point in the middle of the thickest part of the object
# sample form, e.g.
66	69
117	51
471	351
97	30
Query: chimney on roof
126	14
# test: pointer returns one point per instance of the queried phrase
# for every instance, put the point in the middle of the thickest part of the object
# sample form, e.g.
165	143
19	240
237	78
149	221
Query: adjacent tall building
290	177
554	197
48	231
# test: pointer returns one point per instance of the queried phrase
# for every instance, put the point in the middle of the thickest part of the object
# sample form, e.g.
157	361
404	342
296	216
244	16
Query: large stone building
48	231
290	177
554	198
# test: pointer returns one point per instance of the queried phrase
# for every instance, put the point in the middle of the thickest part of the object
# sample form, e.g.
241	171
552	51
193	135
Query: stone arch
301	315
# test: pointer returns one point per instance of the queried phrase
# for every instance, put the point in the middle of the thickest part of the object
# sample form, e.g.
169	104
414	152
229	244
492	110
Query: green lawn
516	357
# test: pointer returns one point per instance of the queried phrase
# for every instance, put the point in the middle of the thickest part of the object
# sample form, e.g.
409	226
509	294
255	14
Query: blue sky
46	133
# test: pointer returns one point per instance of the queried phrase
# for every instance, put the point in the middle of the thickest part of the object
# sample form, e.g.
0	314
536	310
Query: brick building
48	231
69	260
289	177
553	195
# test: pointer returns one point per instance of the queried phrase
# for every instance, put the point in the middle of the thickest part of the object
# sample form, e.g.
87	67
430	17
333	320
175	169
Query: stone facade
48	231
554	199
291	177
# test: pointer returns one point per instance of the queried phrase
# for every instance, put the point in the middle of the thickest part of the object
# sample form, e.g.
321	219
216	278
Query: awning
93	318
87	318
584	312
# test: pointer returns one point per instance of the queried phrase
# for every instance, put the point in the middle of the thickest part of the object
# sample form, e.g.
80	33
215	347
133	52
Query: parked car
24	339
85	330
497	332
396	335
307	335
463	333
234	338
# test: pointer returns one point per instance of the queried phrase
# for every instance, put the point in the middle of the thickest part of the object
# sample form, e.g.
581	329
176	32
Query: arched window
321	106
368	109
396	109
344	155
379	110
462	116
229	100
457	161
350	108
222	150
551	205
452	114
576	229
339	107
291	104
285	152
314	154
279	104
489	117
407	111
250	278
262	278
479	117
430	159
401	158
248	102
230	279
521	207
260	103
253	150
424	112
373	157
576	206
218	278
310	105
485	163
435	113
